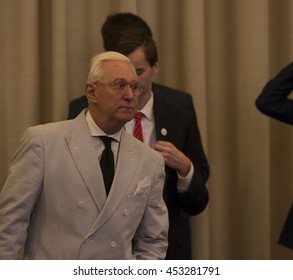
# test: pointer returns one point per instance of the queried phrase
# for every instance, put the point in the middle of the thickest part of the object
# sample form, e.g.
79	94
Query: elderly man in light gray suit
54	201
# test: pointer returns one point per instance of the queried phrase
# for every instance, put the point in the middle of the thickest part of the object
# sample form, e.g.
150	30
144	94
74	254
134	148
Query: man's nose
128	92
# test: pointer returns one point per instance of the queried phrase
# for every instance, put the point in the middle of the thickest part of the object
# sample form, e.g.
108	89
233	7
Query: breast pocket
137	198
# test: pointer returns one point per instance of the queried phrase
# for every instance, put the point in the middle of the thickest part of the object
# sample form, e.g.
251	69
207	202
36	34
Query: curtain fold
220	51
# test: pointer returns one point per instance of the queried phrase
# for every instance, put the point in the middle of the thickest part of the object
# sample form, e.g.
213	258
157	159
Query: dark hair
119	22
129	40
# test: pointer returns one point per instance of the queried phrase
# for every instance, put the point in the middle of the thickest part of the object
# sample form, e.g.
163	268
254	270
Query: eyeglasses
121	84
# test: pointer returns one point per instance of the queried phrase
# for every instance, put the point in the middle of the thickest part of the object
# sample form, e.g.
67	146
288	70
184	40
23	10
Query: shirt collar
97	131
147	109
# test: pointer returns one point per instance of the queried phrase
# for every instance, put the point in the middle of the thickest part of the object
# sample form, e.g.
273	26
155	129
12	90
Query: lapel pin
164	131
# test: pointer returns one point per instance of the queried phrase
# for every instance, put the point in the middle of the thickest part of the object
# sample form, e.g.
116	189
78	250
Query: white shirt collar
97	131
147	109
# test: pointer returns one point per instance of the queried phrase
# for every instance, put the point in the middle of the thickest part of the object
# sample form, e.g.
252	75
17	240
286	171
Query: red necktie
137	128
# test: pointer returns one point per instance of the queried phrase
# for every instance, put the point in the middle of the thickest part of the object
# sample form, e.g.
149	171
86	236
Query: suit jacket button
113	244
125	212
80	204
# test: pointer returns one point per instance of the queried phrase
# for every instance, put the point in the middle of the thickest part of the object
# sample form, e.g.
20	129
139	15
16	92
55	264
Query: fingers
173	157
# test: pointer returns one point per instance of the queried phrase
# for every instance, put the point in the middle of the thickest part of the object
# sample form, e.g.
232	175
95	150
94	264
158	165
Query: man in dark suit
273	101
169	125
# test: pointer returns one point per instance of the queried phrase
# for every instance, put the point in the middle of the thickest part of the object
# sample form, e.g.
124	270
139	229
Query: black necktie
107	163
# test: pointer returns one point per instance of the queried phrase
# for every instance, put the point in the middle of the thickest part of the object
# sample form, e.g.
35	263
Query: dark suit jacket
174	111
273	101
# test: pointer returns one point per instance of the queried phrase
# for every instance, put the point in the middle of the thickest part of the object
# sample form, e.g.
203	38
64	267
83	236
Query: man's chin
126	117
127	113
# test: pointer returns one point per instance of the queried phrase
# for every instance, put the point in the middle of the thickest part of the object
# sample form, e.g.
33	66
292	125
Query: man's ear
91	93
156	68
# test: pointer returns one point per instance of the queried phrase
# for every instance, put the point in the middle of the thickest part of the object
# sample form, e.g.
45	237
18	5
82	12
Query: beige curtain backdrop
221	51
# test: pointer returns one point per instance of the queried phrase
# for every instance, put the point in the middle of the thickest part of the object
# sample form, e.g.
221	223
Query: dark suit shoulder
180	98
76	106
273	100
170	90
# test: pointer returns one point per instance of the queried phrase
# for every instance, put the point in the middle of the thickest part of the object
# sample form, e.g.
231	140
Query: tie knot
107	141
138	116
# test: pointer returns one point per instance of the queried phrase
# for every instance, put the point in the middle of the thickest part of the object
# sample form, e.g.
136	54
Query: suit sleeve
19	195
273	101
196	198
150	241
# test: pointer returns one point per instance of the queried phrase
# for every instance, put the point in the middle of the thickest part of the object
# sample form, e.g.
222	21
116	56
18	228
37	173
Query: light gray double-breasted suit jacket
54	199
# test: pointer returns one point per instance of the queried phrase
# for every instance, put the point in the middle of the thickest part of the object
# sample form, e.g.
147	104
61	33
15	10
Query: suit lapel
162	122
162	127
84	155
126	167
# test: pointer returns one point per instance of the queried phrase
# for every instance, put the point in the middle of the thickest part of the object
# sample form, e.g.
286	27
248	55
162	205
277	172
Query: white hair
96	70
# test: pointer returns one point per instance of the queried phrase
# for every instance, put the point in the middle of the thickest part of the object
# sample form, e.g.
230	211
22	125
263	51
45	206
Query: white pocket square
142	185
